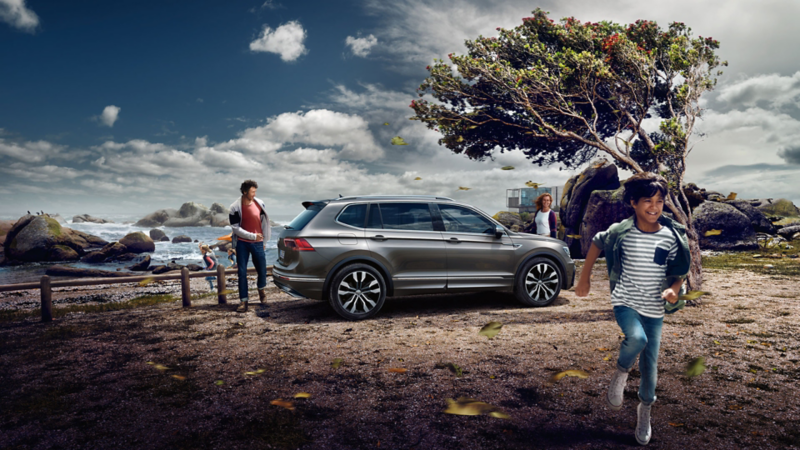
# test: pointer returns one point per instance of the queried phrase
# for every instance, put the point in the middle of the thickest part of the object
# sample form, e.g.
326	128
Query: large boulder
141	265
190	214
170	267
87	218
109	252
80	241
181	238
603	209
60	252
157	235
5	227
789	232
509	219
694	195
736	230
780	207
138	242
33	238
756	216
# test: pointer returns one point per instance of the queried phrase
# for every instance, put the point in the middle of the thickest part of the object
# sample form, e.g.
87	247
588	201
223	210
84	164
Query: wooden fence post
186	292
221	297
47	299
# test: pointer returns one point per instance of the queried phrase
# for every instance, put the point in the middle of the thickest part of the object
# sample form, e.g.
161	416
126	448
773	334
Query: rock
757	218
66	271
79	239
736	230
780	207
181	238
164	239
61	252
138	242
712	196
142	265
509	219
124	257
693	195
87	218
789	232
171	267
110	251
222	246
603	209
94	257
33	238
194	267
5	227
57	218
196	240
190	214
157	235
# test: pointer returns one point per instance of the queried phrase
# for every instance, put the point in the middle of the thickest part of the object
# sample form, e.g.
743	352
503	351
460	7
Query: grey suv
356	251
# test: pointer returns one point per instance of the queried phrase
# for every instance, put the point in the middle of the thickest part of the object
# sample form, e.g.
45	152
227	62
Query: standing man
250	233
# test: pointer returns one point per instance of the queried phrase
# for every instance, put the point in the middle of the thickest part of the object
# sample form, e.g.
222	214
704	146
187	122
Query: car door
476	258
402	235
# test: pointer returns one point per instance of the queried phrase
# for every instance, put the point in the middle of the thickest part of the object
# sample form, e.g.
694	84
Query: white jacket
235	217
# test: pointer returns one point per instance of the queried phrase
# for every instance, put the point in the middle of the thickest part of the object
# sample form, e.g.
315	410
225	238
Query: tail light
297	244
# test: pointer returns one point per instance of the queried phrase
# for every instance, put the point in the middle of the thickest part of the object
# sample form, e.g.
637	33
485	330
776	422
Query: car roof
389	197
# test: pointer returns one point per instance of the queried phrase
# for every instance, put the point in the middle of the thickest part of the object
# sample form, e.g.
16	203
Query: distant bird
29	213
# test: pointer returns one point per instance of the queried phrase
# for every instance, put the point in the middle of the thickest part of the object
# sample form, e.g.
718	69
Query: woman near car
544	219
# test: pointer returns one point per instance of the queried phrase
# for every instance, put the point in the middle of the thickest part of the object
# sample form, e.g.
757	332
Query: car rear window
406	216
353	215
302	219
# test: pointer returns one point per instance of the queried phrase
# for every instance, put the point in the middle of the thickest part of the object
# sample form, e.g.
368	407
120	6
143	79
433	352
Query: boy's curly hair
247	185
642	185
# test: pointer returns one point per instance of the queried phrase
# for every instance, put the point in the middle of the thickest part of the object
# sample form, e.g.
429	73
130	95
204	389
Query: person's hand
582	288
259	237
670	296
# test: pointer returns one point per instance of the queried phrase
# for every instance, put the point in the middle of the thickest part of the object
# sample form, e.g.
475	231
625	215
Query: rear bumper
297	286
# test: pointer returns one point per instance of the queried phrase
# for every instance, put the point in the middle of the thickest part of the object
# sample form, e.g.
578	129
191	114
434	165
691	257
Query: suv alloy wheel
539	282
357	292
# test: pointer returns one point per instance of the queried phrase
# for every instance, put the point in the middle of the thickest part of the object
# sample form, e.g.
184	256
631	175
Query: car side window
458	219
353	215
374	219
406	216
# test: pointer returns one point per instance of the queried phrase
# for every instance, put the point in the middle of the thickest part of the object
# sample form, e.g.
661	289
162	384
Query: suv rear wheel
539	282
357	292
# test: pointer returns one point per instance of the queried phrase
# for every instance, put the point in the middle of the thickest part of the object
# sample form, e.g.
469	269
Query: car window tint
374	220
458	219
406	216
354	215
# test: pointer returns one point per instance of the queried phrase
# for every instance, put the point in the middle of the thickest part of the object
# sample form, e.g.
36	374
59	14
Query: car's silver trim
418	278
285	278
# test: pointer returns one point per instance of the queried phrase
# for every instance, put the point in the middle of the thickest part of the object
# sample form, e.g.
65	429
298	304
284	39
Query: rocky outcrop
34	238
5	227
181	238
757	218
789	232
222	246
87	218
66	271
141	266
780	207
109	251
190	214
166	268
736	231
157	235
138	242
603	209
508	219
194	267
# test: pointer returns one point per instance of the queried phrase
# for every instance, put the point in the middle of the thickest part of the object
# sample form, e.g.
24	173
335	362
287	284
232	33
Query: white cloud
30	152
110	115
16	14
286	40
361	46
773	89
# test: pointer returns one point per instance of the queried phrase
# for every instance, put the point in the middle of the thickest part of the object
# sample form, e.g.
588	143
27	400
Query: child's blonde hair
205	248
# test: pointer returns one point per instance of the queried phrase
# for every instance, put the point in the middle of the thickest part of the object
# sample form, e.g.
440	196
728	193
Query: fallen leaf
491	329
145	282
696	367
734	407
179	377
219	382
397	370
567	373
462	188
731	196
471	407
281	402
507	168
302	395
607	358
397	140
336	363
602	349
675	424
712	233
717	342
693	295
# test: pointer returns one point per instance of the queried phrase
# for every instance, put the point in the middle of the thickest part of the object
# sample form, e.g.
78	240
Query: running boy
648	258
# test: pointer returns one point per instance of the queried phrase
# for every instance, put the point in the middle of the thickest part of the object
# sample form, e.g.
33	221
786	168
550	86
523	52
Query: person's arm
553	226
584	283
670	294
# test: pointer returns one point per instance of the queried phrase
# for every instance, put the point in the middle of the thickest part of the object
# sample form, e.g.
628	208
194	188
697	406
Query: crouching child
648	258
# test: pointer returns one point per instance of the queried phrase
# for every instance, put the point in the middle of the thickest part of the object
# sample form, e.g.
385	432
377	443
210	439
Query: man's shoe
242	307
643	431
615	389
262	296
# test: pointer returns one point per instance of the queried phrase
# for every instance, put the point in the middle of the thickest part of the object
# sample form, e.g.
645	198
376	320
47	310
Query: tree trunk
694	279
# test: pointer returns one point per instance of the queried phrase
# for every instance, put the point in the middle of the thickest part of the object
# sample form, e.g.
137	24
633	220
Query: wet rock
171	267
194	267
157	235
142	265
190	214
138	242
181	238
164	239
62	253
87	218
66	271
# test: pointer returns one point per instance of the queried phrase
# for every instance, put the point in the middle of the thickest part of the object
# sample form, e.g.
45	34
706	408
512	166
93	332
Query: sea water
183	253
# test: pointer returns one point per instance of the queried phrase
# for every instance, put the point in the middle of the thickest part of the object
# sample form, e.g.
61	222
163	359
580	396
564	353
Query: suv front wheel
539	282
357	292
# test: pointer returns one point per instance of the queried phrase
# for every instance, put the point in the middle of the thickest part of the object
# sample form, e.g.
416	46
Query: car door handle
454	240
378	237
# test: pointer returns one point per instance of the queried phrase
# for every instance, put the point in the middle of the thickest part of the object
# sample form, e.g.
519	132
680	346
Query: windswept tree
562	92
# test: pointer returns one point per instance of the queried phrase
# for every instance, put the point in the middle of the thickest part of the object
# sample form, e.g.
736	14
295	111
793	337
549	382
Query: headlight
566	250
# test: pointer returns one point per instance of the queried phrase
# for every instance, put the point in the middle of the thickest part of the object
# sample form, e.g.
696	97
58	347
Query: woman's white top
543	223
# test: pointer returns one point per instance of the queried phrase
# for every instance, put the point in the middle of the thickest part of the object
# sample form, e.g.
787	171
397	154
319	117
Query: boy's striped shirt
644	267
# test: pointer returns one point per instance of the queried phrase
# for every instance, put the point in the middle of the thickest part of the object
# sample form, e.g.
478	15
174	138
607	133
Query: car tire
357	292
538	283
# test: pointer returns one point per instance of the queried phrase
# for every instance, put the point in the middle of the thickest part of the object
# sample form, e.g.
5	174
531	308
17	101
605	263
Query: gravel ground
207	377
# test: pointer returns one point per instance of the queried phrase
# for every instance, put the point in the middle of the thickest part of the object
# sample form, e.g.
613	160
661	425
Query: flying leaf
337	363
397	140
696	367
491	329
533	185
712	233
386	124
471	407
574	236
731	196
179	377
161	367
302	395
602	349
507	168
145	282
417	179
693	295
281	402
256	372
568	373
499	415
607	358
675	424
717	342
462	188
219	382
397	370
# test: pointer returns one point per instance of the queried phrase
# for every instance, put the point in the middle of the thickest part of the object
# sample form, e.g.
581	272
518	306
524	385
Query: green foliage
53	226
525	216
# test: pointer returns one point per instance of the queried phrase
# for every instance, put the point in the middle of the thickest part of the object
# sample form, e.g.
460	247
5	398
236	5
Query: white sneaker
615	389
643	431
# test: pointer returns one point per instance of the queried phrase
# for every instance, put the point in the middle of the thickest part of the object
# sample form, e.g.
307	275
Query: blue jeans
243	252
642	339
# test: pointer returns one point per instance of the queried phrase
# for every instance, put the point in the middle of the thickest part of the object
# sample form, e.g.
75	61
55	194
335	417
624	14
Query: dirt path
85	381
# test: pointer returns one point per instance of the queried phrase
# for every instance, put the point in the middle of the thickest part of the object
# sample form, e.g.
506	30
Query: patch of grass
783	266
15	315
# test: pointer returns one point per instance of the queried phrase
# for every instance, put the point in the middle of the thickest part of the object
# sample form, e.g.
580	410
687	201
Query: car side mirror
499	232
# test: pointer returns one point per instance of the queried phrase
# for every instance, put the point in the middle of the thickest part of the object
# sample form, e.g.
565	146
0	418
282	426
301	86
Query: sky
126	107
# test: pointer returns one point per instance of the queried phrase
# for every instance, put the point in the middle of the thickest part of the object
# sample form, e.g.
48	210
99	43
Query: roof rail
410	197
